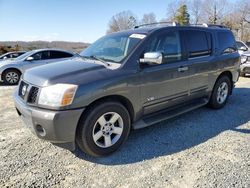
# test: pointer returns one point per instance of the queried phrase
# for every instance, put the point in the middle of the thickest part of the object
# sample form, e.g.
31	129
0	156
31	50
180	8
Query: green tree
182	15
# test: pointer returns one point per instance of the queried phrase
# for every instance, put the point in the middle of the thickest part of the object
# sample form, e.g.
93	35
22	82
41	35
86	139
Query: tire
242	74
11	77
220	93
97	123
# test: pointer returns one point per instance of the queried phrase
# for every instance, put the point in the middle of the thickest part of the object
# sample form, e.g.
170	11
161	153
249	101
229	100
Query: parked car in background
11	55
244	51
11	70
245	64
242	47
248	44
125	80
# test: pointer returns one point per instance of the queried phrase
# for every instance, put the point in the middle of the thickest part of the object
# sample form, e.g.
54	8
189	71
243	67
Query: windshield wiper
97	58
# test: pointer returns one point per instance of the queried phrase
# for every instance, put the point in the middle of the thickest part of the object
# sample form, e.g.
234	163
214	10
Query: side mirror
30	59
243	48
152	58
5	57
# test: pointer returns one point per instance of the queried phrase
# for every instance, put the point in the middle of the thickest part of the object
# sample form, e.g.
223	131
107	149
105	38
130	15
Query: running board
169	113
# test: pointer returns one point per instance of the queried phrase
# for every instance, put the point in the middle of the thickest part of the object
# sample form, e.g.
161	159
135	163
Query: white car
11	70
245	64
11	55
242	47
244	52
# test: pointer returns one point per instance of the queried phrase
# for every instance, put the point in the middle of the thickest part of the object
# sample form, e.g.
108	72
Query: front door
166	84
39	58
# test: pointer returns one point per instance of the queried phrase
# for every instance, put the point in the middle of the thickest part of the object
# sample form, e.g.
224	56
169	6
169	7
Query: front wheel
11	77
103	129
220	92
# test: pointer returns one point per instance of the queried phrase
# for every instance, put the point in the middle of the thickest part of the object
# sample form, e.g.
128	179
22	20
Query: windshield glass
25	55
239	45
113	48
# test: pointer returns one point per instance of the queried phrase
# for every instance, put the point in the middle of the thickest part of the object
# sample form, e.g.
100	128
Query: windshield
239	44
113	48
25	55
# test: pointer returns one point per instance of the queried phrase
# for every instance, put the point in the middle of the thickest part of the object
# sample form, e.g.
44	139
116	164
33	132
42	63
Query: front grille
23	88
33	94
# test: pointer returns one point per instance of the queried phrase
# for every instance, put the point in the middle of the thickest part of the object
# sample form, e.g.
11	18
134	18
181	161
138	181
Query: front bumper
245	68
58	127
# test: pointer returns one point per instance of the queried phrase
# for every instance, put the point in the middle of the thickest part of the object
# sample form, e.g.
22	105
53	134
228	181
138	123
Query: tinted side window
169	44
226	42
41	55
15	55
198	43
57	54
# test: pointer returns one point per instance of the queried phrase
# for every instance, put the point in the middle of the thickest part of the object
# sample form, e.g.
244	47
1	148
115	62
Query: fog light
40	130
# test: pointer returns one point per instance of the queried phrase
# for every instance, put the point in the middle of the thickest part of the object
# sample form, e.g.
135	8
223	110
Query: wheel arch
11	68
111	98
229	75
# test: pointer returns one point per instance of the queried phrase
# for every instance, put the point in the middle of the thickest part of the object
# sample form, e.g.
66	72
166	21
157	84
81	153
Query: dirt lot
203	148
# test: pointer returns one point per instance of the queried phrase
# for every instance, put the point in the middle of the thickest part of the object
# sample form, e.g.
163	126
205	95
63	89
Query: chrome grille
33	95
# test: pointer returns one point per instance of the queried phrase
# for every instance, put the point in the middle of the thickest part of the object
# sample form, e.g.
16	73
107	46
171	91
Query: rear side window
226	43
198	43
58	54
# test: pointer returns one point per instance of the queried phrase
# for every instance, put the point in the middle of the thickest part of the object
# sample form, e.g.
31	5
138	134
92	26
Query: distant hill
72	46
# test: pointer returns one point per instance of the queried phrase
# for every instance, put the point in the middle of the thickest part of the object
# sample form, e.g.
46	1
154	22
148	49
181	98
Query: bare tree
196	11
148	18
243	20
122	21
215	10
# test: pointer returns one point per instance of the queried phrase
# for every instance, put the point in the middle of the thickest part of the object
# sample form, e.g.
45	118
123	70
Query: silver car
11	70
11	55
245	64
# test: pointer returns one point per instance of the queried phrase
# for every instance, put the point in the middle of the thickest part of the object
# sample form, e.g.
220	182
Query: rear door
56	56
166	84
198	49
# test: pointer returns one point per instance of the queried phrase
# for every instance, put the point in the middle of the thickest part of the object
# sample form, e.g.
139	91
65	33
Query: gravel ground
203	148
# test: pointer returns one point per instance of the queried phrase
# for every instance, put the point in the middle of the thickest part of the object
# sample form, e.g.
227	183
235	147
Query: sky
67	20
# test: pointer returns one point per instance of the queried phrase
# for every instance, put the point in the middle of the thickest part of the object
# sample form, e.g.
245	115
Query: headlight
244	59
57	95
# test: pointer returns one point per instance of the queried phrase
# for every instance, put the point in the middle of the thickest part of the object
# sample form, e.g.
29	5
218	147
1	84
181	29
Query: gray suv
128	80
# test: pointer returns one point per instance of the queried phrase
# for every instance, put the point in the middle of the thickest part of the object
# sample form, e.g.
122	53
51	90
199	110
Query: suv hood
74	71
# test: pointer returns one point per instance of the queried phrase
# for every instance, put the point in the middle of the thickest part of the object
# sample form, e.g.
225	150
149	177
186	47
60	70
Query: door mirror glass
30	59
152	58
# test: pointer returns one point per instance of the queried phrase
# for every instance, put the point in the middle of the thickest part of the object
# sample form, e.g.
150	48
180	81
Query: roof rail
210	25
177	24
157	23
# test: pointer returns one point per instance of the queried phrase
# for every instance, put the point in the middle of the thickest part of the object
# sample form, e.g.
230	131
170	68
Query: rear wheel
104	129
220	92
11	77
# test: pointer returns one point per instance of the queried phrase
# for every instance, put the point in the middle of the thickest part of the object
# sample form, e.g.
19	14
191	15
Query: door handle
182	69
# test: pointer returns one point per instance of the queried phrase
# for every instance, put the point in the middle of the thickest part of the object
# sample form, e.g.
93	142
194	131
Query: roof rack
209	25
157	23
177	24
